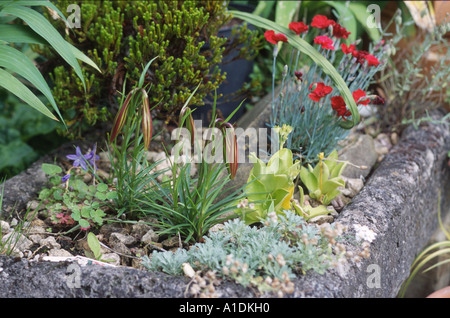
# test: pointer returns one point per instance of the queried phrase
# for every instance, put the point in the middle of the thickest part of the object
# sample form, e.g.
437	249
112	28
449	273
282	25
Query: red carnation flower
321	22
298	75
358	94
324	41
338	104
347	49
275	38
298	27
339	31
360	56
320	91
371	60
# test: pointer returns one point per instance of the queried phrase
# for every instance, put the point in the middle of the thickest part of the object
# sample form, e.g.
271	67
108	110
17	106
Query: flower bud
147	122
121	116
186	111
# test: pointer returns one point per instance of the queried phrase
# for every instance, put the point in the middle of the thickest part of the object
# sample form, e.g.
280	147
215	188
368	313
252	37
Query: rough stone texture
360	153
399	203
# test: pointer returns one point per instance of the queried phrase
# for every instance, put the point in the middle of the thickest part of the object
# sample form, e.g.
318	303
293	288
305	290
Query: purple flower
79	159
93	156
65	178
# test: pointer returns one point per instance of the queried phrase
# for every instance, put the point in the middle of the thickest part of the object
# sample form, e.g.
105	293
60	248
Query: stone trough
398	202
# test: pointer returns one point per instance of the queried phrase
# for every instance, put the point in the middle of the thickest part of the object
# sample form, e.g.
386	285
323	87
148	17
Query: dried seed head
280	260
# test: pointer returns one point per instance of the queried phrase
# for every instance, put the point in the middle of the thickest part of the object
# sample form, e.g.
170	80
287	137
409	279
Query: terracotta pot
441	293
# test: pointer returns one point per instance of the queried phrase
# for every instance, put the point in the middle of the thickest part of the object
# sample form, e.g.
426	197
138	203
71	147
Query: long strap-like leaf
17	62
13	85
45	29
306	48
23	34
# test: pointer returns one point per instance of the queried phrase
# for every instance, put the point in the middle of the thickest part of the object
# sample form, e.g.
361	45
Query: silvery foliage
258	248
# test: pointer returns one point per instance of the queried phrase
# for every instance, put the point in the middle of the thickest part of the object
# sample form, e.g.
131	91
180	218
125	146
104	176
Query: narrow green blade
15	61
23	34
13	85
46	30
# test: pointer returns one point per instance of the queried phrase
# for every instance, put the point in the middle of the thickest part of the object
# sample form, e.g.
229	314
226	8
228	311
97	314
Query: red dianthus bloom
358	94
347	49
339	31
320	91
321	22
274	38
324	41
298	27
338	104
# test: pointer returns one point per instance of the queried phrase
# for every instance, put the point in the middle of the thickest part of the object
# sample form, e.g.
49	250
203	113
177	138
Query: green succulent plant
324	179
305	209
270	185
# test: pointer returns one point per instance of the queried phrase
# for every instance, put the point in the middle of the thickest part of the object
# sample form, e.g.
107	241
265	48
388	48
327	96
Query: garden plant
179	206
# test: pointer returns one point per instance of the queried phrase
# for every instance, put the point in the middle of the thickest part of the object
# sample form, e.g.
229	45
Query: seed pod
147	122
230	151
121	116
186	111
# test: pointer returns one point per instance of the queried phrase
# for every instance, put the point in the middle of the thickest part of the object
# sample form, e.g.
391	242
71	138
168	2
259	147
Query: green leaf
57	195
44	194
321	173
44	3
100	195
76	215
144	72
330	161
308	179
338	169
101	187
51	169
285	12
86	212
45	29
111	195
13	85
318	210
312	53
80	186
332	184
16	62
23	34
83	223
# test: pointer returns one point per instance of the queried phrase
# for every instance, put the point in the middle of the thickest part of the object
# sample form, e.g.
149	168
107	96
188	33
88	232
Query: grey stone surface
360	153
399	203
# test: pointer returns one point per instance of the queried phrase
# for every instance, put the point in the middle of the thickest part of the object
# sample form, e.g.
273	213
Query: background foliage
122	36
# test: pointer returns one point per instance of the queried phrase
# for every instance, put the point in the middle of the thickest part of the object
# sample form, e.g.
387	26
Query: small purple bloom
79	159
93	156
65	178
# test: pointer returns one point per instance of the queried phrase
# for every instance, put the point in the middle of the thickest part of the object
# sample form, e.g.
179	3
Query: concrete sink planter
398	202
